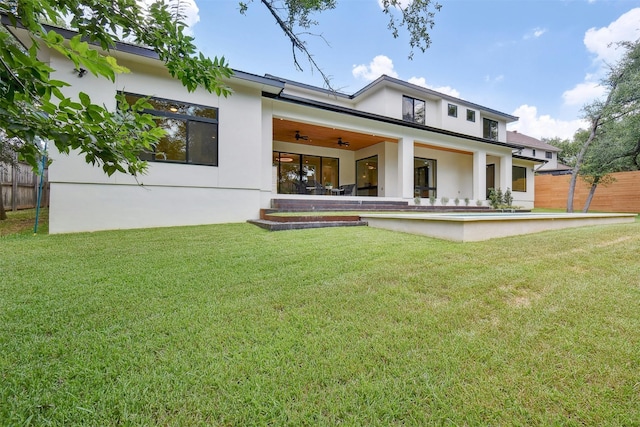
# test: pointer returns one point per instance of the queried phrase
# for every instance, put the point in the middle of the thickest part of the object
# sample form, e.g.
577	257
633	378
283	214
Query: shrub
456	201
444	201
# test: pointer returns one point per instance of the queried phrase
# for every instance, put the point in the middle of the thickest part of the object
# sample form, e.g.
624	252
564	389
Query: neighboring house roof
529	141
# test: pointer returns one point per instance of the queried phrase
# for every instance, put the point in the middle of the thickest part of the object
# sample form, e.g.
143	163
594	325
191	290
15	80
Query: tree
417	16
33	107
621	105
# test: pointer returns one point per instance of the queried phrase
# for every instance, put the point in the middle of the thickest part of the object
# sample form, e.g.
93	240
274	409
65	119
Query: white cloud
544	126
421	81
378	66
602	41
496	79
535	33
583	93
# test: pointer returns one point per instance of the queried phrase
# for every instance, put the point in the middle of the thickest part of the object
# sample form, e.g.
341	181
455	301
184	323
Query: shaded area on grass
23	221
232	325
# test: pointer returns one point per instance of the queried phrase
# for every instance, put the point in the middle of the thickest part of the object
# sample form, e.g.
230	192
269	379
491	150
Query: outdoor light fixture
81	72
342	143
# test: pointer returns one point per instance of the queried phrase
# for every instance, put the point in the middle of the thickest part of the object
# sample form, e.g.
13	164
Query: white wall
83	198
454	172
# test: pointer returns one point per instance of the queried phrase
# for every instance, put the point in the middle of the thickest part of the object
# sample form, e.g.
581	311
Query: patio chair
349	190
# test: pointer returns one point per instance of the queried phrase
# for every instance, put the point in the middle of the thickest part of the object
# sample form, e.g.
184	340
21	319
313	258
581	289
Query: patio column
479	175
405	168
505	173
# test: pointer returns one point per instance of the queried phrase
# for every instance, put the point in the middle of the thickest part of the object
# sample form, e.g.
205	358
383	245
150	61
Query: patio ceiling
321	136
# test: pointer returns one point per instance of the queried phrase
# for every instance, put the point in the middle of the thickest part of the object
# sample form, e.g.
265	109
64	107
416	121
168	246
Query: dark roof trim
531	159
310	87
379	118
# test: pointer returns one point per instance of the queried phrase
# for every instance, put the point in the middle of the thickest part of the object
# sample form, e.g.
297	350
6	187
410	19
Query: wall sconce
80	71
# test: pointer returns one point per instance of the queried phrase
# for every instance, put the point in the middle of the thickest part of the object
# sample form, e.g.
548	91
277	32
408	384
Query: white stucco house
537	149
226	158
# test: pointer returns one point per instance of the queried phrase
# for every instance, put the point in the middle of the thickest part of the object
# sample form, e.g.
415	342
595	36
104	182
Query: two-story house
224	159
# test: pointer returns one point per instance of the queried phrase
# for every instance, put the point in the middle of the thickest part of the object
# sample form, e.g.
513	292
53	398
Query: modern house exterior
224	159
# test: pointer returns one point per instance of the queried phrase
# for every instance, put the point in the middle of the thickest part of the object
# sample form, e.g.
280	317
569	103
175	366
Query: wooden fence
20	187
623	195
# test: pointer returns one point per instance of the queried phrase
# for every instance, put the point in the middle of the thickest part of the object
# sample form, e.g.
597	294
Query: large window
424	177
490	129
519	178
304	174
191	132
413	110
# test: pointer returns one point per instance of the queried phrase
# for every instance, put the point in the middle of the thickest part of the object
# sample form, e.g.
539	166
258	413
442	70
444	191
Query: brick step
334	204
307	218
303	225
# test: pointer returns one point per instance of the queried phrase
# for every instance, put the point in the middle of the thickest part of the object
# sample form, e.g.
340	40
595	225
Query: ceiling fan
301	137
343	143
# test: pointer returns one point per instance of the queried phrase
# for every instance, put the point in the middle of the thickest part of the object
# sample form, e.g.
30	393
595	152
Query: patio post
479	175
405	167
505	173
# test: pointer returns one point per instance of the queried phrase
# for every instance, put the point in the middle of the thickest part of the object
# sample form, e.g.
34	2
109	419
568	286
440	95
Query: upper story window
413	110
452	110
191	132
471	115
534	152
548	155
490	129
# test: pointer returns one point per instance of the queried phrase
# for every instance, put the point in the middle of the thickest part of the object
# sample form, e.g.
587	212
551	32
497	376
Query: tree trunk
579	159
592	191
3	213
595	123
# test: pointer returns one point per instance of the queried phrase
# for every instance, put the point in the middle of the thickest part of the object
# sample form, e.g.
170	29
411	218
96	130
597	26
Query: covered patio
311	159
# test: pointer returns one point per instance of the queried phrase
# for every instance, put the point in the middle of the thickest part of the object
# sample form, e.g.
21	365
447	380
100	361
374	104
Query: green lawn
231	325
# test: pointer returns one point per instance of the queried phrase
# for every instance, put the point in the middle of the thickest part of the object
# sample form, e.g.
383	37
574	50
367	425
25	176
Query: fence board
623	195
20	187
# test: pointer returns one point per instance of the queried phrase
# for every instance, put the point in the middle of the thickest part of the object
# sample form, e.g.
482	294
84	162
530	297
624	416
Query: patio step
309	205
303	225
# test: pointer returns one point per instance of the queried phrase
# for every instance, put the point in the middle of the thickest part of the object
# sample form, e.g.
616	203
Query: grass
233	325
22	222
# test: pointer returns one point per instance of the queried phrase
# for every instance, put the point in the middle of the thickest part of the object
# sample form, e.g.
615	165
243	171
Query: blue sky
539	60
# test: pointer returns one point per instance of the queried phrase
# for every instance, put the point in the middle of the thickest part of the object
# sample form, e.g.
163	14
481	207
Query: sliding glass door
305	174
367	176
424	177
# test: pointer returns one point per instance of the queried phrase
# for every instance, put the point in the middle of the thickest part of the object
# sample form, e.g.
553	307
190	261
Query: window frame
487	135
411	116
513	187
452	110
186	118
471	117
548	155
